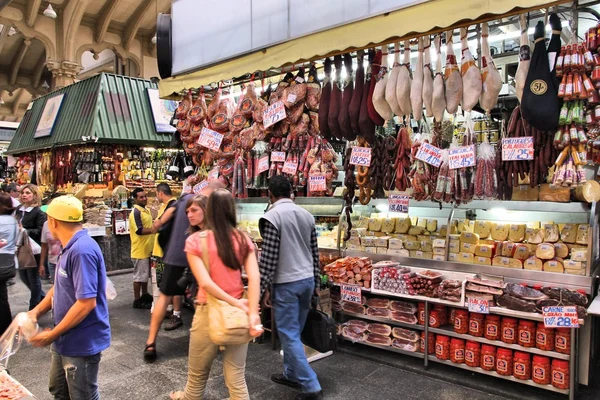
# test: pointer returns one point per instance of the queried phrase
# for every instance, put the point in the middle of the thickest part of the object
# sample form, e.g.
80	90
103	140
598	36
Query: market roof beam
104	19
73	13
33	10
39	70
3	35
17	101
18	60
134	22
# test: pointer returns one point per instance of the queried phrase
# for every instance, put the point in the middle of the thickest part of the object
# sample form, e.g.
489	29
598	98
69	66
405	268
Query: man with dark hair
13	190
141	233
289	268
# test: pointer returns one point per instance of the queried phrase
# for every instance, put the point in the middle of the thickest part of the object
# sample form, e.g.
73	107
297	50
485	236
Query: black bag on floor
319	332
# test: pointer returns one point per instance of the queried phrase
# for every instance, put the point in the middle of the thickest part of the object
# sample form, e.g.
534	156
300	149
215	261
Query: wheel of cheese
561	250
545	251
589	192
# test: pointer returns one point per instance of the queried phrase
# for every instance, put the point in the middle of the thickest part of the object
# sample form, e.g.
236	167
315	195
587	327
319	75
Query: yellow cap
66	208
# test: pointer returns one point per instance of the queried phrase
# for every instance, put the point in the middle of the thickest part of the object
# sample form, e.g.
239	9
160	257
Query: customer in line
32	219
79	307
141	233
9	231
290	262
229	249
13	190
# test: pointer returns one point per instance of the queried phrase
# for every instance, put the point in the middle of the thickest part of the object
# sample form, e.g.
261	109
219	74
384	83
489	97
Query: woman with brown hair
229	250
9	231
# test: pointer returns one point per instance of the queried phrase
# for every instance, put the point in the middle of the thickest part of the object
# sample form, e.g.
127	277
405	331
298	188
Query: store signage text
210	139
361	156
351	293
517	148
429	154
461	157
560	317
398	203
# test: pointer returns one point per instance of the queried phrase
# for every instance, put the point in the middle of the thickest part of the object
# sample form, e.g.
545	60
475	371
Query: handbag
25	254
227	325
319	331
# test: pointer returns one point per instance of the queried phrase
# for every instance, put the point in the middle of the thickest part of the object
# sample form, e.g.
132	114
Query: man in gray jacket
290	263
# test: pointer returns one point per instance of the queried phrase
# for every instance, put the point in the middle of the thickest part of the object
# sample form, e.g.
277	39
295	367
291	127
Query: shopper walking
141	233
78	299
51	249
290	262
9	229
228	250
32	219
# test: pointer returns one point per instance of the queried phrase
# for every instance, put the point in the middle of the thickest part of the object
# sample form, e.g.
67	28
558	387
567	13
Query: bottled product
421	307
509	330
442	311
522	365
476	324
435	319
430	344
544	337
472	354
541	370
492	327
488	357
442	347
562	340
526	333
461	321
457	350
560	374
504	362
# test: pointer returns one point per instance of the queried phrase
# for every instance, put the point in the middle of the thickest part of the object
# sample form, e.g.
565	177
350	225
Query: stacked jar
504	362
541	370
560	374
472	354
457	351
522	365
488	357
509	330
476	324
544	337
442	347
562	340
461	321
492	327
421	313
526	333
430	344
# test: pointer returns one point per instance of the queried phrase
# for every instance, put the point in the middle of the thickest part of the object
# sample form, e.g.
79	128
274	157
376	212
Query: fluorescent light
49	12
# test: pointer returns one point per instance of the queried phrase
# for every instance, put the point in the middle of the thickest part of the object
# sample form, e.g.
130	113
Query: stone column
64	73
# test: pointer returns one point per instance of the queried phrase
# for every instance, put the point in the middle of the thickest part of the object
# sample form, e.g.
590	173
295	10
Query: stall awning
113	108
420	18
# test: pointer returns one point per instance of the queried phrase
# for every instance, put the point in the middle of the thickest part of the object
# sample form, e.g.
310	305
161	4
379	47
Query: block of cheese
414	221
570	264
554	266
416	230
379	234
483	229
575	271
439	257
508	249
412	245
395	244
426	245
426	238
358	232
551	234
368	241
482	260
532	247
534	236
533	263
545	251
517	233
454	246
561	250
354	247
453	257
375	224
582	234
382	241
421	254
431	225
469	237
534	224
568	233
484	250
388	226
382	250
403	225
439	242
488	242
443	230
466	257
363	222
579	254
354	240
500	232
398	252
507	262
422	222
439	251
521	252
465	226
467	247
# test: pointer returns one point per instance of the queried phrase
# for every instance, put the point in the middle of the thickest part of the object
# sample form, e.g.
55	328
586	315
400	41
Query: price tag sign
200	186
213	175
361	156
278	156
518	148
461	157
429	154
351	293
290	167
210	139
398	203
479	306
263	164
291	98
560	317
317	183
273	114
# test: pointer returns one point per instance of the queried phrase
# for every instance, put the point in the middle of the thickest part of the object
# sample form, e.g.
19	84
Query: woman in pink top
224	283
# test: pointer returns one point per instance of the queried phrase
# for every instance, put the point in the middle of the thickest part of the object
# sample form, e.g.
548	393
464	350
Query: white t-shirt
15	203
54	246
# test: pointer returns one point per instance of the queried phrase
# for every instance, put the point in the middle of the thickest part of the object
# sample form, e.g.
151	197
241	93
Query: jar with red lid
472	354
560	374
504	362
476	324
509	330
430	344
435	319
461	321
442	347
442	312
522	365
562	340
541	372
492	327
526	333
457	351
538	287
421	313
544	337
488	357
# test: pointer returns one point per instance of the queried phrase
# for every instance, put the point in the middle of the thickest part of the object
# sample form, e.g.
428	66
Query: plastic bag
22	327
111	292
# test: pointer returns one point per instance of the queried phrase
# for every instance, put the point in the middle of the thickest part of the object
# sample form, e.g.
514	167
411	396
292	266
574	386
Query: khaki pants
201	356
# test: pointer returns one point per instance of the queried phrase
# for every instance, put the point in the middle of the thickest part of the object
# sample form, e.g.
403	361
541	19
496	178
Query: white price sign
361	156
317	183
278	156
263	164
351	293
398	203
273	114
429	154
517	148
210	139
479	306
213	175
291	98
560	317
290	167
200	187
461	157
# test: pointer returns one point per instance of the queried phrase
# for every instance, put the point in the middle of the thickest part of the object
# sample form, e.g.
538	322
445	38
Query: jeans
31	279
291	303
74	378
201	356
51	271
5	314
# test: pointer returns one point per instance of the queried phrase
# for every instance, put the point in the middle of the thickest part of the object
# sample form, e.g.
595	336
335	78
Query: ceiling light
12	31
49	12
45	85
153	40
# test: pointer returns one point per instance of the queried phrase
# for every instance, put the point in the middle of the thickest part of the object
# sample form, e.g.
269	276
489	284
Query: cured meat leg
404	83
427	78
438	102
375	67
492	81
336	100
344	116
416	89
355	103
453	79
381	105
471	76
524	58
390	88
325	100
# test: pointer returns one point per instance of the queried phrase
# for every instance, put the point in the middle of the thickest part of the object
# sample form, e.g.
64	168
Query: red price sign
200	187
273	114
278	156
289	167
263	164
517	148
480	306
398	203
210	139
213	175
361	156
317	183
351	293
429	154
461	157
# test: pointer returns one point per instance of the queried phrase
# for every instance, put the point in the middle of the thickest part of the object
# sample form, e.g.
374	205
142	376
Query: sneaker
310	396
282	380
173	323
168	314
147	298
141	305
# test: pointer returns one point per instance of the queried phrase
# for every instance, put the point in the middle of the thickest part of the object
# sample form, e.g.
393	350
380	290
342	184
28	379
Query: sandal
150	352
179	395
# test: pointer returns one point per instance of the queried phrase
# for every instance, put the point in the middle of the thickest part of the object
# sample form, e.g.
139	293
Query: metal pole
573	364
426	325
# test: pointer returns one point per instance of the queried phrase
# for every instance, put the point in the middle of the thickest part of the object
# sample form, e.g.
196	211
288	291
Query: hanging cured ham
524	58
375	67
492	81
404	82
356	101
390	88
427	77
336	99
452	77
438	102
367	127
416	89
344	116
325	100
471	77
381	105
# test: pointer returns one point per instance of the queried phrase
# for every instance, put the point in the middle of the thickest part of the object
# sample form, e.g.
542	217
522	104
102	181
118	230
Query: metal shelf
497	375
449	332
382	320
388	348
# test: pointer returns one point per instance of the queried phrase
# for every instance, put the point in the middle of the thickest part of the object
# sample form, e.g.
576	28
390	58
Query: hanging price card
200	186
290	167
351	293
361	156
273	114
210	139
263	164
461	157
278	156
429	154
398	203
560	317
517	148
213	175
479	305
317	183
291	98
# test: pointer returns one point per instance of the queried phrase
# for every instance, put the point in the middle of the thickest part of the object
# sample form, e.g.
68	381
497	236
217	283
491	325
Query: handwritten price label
479	306
290	167
461	157
273	114
291	98
210	139
398	203
351	293
361	156
516	149
263	164
560	317
199	187
213	175
430	154
278	156
317	183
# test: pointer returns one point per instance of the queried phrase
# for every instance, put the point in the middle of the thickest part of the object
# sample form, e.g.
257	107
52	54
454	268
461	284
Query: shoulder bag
319	331
227	325
25	254
7	262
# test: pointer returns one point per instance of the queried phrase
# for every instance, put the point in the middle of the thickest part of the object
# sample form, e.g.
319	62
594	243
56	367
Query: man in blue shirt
81	327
